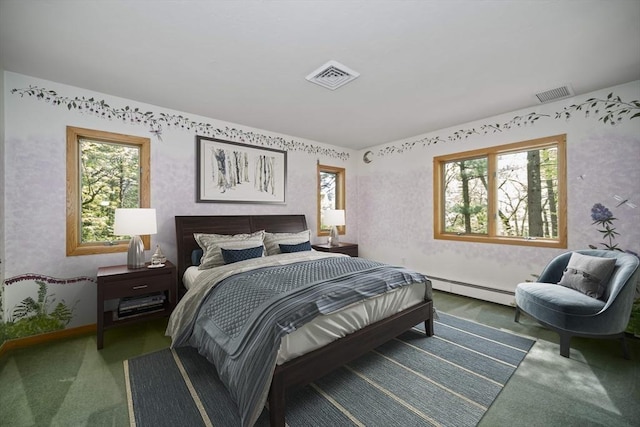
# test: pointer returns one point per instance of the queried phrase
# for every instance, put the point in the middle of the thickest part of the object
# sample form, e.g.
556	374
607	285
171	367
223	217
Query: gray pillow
212	245
272	241
588	274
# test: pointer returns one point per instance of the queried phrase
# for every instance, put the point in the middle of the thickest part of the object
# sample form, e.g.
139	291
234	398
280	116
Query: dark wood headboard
229	224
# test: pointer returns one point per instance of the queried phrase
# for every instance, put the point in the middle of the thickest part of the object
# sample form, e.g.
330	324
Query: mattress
327	328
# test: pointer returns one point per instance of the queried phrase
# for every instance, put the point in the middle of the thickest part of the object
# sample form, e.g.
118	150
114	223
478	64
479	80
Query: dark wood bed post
428	326
276	402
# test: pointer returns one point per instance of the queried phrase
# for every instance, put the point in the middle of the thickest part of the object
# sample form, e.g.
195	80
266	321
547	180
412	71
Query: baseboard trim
47	337
471	285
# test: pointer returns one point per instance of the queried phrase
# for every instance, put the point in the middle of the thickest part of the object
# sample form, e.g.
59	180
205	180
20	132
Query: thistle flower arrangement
603	216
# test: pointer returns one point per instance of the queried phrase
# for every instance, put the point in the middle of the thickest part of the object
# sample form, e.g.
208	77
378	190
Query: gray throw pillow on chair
588	274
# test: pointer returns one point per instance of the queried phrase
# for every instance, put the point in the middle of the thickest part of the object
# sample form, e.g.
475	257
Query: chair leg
565	344
517	318
625	348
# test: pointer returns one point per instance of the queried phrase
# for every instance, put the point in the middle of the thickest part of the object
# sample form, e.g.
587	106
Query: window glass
331	194
465	192
110	179
527	184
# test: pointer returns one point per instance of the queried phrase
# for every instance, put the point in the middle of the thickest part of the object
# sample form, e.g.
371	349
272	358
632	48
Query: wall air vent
332	75
555	94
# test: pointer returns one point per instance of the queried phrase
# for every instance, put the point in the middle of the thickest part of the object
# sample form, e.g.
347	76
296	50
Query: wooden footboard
311	366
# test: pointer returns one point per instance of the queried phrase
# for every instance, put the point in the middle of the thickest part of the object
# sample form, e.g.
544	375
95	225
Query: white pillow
272	241
212	245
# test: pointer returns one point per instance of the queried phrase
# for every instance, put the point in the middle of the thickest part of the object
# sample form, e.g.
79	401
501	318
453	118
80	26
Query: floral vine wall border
156	122
610	111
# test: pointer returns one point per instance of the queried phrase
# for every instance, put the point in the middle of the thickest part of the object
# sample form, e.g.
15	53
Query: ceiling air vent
332	75
555	94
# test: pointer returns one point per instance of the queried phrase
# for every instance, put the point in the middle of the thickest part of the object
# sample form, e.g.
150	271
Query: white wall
2	200
35	192
395	195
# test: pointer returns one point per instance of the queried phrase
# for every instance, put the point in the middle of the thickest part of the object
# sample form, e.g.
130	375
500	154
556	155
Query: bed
298	370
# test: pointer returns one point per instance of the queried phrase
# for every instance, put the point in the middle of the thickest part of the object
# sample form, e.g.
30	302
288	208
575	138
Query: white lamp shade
334	217
135	222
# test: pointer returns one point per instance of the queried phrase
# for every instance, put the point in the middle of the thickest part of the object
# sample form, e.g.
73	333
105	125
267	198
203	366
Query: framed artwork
231	172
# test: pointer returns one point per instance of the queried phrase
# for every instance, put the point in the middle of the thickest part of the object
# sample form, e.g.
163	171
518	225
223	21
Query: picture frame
232	172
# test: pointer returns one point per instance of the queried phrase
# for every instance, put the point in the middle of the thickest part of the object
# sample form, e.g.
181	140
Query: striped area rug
449	379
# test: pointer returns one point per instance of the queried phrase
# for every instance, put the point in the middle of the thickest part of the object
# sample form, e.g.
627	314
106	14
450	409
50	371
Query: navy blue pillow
235	255
300	247
196	256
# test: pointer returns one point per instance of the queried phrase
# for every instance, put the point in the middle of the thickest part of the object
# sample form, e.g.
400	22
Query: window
512	194
331	194
105	171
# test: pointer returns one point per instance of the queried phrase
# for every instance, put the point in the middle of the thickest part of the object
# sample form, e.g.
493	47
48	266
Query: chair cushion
552	303
588	274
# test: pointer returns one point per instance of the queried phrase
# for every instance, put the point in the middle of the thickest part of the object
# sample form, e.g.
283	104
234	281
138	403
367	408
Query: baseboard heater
471	285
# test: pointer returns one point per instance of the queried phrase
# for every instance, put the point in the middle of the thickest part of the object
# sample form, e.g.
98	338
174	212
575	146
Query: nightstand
149	293
350	249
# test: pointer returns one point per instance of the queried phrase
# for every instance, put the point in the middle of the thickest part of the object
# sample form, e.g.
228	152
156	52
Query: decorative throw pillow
300	247
212	245
272	241
588	274
234	255
196	256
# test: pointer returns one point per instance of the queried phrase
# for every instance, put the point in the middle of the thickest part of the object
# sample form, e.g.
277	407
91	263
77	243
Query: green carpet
449	379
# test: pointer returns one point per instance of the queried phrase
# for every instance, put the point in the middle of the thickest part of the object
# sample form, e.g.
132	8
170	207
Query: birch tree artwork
233	172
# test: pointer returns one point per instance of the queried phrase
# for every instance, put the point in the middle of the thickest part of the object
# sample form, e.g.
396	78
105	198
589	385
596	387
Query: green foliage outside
110	179
31	317
328	193
526	192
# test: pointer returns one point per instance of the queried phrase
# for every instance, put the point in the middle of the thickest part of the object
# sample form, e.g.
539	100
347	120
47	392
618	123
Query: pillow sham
588	274
300	247
272	241
234	255
212	245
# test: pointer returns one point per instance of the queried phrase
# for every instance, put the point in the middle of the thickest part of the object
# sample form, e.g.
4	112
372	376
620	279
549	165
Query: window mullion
492	194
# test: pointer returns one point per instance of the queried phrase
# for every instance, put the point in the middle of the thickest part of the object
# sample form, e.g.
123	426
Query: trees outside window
331	195
105	171
513	194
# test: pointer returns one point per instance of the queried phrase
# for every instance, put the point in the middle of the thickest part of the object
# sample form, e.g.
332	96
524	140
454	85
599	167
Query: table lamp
135	222
334	218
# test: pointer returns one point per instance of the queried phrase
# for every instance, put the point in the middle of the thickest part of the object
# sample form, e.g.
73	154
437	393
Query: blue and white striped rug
449	379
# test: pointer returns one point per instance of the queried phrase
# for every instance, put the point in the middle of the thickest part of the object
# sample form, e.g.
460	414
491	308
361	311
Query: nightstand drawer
137	286
350	249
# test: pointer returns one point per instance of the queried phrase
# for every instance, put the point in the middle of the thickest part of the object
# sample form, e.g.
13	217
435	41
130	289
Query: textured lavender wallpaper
389	201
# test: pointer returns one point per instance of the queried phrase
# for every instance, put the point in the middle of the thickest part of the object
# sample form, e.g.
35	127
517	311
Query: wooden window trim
491	153
74	246
340	196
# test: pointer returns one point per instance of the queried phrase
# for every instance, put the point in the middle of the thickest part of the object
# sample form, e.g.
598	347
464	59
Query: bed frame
311	366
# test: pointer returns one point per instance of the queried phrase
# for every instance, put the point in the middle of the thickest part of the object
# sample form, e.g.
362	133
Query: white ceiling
424	65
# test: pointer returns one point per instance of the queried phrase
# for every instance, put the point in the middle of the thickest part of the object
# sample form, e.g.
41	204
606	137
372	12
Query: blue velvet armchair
573	313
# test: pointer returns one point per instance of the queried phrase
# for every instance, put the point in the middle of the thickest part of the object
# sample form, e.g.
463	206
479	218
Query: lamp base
135	254
334	239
